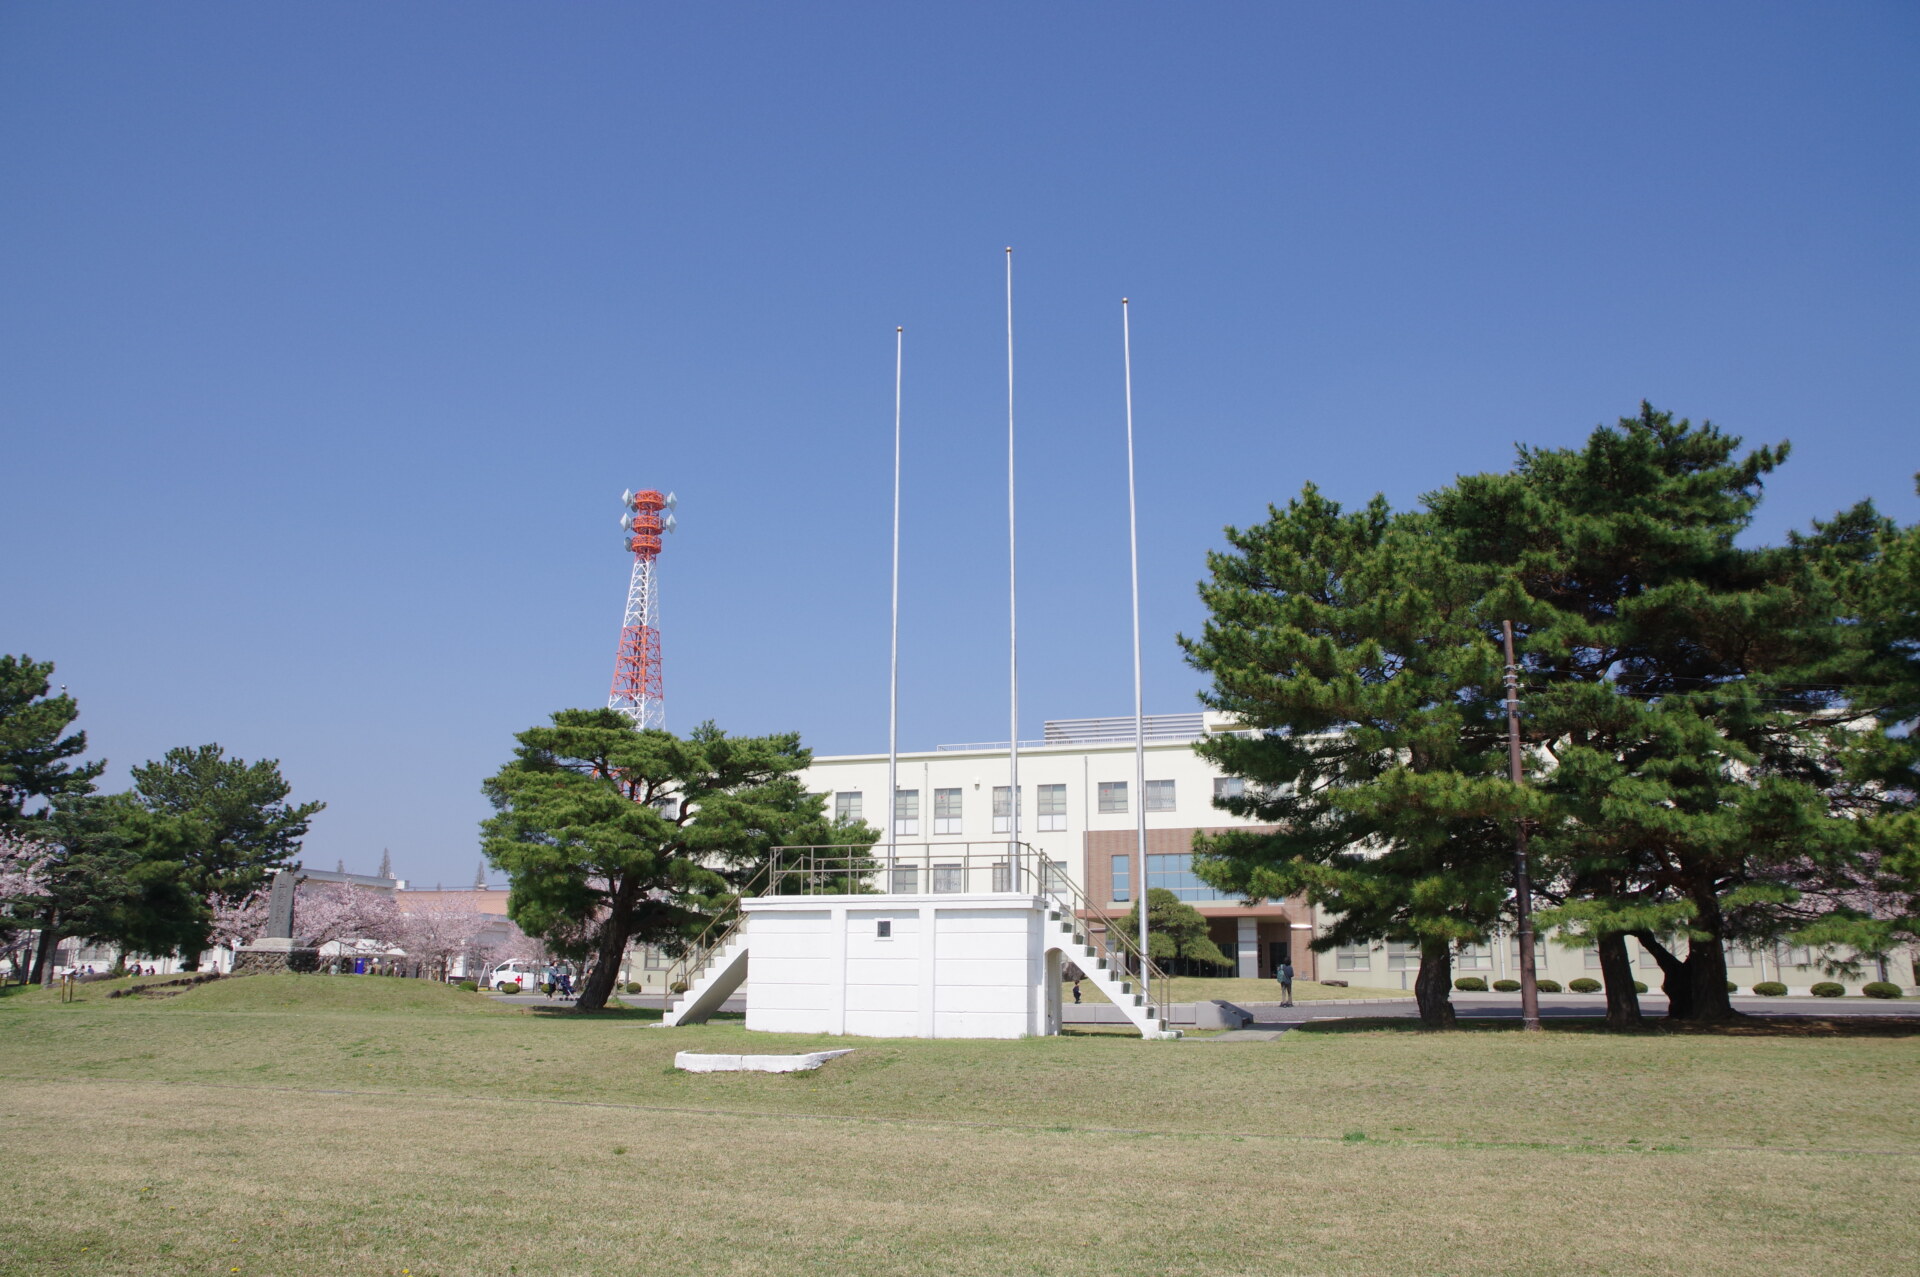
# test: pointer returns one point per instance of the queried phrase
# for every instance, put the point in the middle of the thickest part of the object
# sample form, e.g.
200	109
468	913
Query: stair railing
720	929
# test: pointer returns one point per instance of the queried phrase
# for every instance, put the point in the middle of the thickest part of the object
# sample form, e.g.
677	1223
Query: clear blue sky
329	334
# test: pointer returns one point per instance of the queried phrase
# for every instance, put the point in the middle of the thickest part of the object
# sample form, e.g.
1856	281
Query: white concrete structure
951	966
942	965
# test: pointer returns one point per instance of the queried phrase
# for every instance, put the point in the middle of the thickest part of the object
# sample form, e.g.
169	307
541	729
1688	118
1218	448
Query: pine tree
611	834
386	863
1683	695
1176	931
33	753
480	876
1366	654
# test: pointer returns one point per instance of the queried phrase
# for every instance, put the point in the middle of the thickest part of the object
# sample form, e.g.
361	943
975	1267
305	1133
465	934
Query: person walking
1076	990
1284	974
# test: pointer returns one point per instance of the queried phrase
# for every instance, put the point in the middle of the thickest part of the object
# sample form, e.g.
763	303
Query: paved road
1271	1016
1570	1006
1507	1007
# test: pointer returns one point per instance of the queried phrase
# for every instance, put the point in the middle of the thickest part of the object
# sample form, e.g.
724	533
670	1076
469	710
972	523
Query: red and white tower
637	689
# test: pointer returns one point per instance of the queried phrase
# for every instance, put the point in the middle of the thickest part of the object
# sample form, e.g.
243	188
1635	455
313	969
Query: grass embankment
295	1125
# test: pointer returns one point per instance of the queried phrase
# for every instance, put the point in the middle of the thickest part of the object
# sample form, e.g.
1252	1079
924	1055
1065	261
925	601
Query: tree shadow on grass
1745	1026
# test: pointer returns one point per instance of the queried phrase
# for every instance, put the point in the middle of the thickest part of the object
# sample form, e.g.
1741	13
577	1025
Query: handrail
713	937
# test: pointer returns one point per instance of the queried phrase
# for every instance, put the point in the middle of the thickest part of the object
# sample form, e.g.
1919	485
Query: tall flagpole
893	675
1139	703
1013	628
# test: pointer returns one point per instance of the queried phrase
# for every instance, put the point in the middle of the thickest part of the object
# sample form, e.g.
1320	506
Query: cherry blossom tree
20	881
436	932
237	922
330	911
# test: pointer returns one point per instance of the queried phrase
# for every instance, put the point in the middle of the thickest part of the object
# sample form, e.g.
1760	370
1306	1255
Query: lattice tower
638	691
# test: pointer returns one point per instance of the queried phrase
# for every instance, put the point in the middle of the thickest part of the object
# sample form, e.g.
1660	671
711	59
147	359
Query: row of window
1172	871
1050	814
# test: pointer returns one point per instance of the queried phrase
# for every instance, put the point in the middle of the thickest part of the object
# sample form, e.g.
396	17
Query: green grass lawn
332	1125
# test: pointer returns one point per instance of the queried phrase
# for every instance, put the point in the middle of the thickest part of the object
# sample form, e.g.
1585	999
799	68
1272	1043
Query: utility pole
1522	889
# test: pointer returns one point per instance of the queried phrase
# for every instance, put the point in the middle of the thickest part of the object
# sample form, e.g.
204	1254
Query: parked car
531	975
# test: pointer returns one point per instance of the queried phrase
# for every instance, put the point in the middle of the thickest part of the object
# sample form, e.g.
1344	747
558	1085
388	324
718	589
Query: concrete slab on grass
697	1062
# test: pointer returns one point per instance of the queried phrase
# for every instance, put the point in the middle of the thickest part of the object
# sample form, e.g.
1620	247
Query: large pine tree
1366	655
610	834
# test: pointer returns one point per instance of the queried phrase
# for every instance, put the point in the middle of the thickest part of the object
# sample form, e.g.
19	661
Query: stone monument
276	949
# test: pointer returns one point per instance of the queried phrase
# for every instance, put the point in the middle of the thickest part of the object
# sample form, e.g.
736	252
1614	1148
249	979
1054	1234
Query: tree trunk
44	951
598	985
1675	979
1432	988
1616	969
1707	976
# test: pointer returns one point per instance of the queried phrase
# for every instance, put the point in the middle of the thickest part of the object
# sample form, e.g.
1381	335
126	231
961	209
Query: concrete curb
696	1062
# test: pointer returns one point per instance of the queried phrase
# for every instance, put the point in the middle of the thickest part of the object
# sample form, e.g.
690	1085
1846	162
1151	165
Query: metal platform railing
911	869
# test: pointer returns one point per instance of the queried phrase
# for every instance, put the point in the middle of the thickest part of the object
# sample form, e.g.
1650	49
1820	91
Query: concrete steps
717	980
1118	989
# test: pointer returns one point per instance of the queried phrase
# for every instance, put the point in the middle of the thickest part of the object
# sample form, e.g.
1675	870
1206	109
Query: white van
531	975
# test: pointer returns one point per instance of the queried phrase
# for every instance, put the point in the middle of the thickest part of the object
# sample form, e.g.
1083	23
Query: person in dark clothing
1284	974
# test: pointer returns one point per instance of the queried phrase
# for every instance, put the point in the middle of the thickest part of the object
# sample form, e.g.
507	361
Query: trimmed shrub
1638	987
679	986
1506	986
508	986
634	986
471	986
1770	989
1881	989
1470	984
1547	986
546	987
1732	987
1584	985
1828	989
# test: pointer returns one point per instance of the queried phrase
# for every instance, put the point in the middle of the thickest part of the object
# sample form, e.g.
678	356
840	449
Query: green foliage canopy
610	834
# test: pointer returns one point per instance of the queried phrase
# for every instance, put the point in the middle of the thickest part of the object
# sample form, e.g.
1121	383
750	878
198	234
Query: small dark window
884	928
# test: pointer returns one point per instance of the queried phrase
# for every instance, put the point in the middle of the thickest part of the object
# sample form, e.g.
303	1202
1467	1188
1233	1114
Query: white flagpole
1139	704
893	675
1013	628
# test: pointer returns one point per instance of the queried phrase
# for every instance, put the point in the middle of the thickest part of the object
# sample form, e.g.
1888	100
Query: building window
846	805
1403	955
1739	956
883	929
1353	957
1053	878
906	812
946	811
1002	810
1051	810
1474	957
1590	956
1174	872
949	877
906	880
1002	876
1122	888
1113	797
1159	795
1229	787
1791	956
654	957
1539	952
